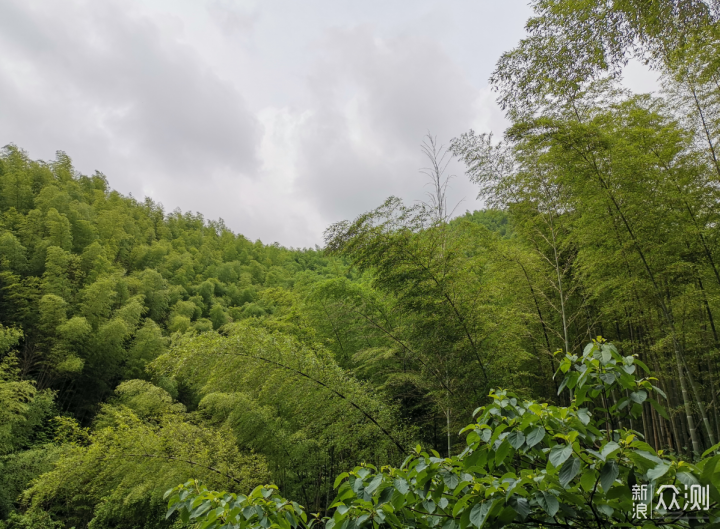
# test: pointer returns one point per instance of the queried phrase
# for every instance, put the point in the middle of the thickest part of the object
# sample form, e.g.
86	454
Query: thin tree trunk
676	423
697	447
645	428
656	427
706	129
679	361
711	376
560	287
447	415
700	405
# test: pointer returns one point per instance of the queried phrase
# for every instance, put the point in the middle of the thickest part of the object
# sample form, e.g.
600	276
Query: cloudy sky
279	116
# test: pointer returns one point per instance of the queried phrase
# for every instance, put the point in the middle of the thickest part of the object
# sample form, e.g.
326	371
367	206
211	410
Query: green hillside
573	324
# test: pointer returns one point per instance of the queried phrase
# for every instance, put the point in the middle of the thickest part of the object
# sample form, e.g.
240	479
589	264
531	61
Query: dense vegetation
140	348
526	464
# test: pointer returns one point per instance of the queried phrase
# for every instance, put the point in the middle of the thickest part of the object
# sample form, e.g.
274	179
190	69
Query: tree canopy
539	363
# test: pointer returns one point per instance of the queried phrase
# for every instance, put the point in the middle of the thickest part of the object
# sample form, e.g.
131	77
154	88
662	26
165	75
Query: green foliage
526	464
139	347
495	220
31	520
142	443
9	338
16	396
261	508
18	470
287	401
439	322
573	43
24	428
97	282
595	250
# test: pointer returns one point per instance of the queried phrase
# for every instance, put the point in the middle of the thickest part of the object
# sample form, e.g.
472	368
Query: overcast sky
279	116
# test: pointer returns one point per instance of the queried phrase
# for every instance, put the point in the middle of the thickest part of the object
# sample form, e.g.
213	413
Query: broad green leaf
638	396
479	513
563	384
502	452
587	480
568	471
374	484
657	472
451	481
461	503
548	502
536	435
465	519
473	459
619	492
559	454
709	469
339	479
516	439
646	451
622	403
710	450
608	449
608	378
521	506
507	515
642	365
496	433
398	500
608	474
584	416
449	524
344	492
401	485
386	495
660	391
605	509
606	354
687	479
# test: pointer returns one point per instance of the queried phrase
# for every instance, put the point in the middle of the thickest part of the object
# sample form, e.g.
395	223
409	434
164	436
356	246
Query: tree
526	464
286	400
432	274
571	44
113	476
638	203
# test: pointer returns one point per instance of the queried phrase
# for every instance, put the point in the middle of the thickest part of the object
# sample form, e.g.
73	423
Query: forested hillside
141	348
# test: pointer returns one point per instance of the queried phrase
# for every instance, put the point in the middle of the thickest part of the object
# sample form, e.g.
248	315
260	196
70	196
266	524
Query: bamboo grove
141	348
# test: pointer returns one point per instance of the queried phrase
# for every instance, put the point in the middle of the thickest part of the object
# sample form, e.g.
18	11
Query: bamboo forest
552	360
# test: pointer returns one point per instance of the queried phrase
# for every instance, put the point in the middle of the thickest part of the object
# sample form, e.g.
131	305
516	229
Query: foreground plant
526	464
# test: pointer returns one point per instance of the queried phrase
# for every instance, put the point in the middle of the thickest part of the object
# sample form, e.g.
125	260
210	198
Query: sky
278	116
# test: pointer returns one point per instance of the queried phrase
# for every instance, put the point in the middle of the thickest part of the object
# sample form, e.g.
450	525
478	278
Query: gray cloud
231	18
376	99
277	116
124	88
